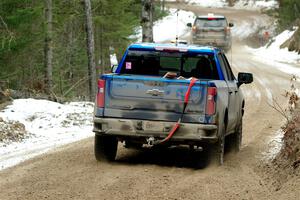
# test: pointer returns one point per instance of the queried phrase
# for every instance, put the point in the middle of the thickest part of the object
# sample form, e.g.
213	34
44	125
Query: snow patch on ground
279	58
246	28
240	4
274	146
209	4
254	27
169	27
256	4
12	131
51	125
166	29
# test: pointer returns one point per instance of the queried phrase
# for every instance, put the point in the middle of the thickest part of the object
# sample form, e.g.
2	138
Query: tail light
194	29
211	103
101	93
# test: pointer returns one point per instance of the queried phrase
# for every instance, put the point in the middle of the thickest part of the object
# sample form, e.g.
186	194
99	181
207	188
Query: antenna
231	55
176	39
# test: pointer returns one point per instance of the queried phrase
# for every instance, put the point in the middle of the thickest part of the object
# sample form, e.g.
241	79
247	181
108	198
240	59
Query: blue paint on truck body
144	97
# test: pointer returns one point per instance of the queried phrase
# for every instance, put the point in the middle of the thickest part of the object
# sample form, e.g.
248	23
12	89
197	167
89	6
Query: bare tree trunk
48	46
101	58
147	20
231	2
90	50
70	51
296	11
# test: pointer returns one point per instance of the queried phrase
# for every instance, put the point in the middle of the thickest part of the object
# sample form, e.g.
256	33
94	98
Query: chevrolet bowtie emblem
155	92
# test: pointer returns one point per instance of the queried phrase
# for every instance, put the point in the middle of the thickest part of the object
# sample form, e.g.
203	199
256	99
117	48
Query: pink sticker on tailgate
128	65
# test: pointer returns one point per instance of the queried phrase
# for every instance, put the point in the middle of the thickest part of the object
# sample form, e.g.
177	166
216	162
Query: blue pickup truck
149	101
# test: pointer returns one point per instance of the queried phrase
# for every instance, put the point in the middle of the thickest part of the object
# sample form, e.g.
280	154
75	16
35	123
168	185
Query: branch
8	31
279	109
5	25
75	85
8	96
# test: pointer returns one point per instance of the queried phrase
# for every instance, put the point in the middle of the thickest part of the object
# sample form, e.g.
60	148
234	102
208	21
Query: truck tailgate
153	98
214	33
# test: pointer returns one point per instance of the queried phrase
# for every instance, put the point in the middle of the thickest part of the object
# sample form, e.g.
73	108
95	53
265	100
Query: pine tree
23	29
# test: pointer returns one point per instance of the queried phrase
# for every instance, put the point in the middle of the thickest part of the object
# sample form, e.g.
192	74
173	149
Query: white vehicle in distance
213	30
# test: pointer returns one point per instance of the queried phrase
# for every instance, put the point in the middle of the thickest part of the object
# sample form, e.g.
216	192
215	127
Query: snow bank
274	53
246	28
209	4
12	131
240	4
51	124
282	59
274	146
168	27
256	4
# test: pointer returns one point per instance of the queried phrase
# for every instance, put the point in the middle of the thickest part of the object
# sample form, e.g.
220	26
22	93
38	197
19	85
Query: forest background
23	32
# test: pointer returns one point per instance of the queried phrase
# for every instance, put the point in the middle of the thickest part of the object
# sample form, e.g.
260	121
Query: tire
105	148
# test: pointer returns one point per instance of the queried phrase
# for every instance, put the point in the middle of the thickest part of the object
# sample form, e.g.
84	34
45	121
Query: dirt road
71	172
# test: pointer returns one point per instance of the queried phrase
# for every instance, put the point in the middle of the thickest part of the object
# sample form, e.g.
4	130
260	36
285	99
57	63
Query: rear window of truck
158	63
206	23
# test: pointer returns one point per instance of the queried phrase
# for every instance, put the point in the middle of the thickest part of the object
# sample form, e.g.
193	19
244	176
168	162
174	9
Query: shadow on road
175	157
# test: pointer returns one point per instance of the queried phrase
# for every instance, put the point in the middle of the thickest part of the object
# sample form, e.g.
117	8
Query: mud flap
217	150
105	148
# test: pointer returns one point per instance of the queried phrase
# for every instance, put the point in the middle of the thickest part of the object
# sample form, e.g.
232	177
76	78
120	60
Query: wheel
218	148
105	148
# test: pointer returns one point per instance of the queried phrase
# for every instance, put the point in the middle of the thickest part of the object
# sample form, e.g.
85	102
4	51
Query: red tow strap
177	124
188	92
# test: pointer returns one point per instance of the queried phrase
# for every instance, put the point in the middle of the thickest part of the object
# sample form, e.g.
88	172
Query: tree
289	16
90	50
34	36
147	20
48	46
231	2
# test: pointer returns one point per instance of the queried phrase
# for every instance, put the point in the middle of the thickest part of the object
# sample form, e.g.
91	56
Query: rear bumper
224	44
143	129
